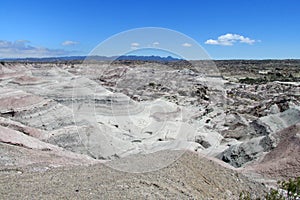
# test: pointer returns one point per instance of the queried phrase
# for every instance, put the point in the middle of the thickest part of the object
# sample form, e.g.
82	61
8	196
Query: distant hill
96	58
147	58
48	59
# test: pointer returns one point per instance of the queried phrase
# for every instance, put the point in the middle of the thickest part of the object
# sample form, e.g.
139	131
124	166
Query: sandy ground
190	177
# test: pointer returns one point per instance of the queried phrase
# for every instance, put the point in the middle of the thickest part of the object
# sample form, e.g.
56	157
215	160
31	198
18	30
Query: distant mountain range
147	58
96	58
134	57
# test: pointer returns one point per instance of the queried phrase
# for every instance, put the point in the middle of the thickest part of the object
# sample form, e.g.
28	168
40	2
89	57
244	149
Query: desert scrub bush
288	190
291	188
245	195
252	81
151	84
275	195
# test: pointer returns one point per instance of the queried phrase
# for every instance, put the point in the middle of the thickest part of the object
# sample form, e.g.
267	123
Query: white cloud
229	39
186	44
155	43
23	49
135	44
69	43
211	41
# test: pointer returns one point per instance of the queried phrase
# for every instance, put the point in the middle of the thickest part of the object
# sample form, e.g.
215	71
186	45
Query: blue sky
236	29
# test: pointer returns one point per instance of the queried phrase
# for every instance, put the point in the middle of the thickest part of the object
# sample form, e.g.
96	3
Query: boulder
239	154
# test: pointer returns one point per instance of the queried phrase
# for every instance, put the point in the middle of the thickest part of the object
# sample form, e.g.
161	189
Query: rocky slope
283	161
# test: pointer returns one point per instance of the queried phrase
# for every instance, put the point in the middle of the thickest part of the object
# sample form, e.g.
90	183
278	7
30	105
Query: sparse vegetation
252	81
269	78
151	84
288	190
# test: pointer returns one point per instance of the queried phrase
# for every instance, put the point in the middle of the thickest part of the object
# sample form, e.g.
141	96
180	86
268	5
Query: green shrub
274	195
292	186
288	190
245	196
